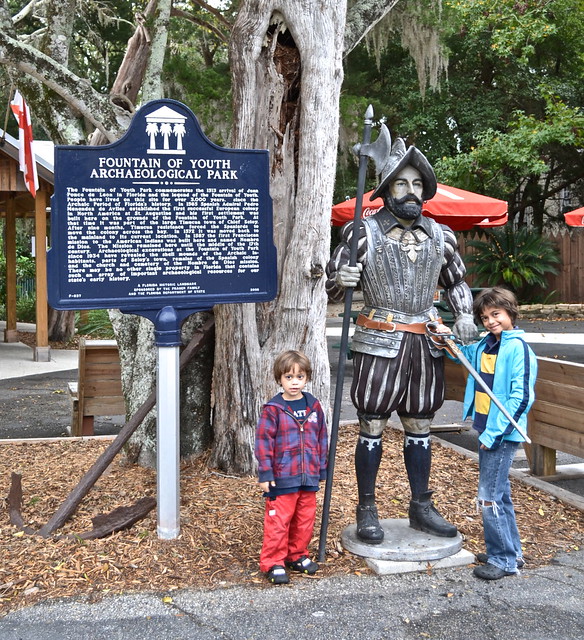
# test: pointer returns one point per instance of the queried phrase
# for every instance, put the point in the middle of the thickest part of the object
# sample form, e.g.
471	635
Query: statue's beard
407	208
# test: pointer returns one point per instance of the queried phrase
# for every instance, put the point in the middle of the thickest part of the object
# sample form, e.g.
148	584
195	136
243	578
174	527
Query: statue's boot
368	454
425	517
418	460
368	528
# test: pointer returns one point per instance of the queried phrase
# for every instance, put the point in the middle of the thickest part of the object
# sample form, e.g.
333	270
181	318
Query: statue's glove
465	329
349	276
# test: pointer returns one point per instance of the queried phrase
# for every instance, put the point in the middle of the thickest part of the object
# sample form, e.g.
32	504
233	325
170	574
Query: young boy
291	448
509	366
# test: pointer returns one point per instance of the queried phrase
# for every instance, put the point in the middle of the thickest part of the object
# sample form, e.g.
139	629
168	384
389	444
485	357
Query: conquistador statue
403	258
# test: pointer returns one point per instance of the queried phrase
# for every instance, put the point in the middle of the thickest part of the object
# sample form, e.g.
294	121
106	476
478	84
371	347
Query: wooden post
543	460
11	332
42	351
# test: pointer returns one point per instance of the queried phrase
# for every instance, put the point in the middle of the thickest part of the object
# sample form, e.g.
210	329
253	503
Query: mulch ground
29	338
221	522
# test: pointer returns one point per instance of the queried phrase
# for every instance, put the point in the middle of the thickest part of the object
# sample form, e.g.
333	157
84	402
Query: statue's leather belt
414	327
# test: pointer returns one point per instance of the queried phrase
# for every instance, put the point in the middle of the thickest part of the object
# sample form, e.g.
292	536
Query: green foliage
97	325
508	119
25	267
207	92
514	28
101	33
531	146
517	258
196	73
26	309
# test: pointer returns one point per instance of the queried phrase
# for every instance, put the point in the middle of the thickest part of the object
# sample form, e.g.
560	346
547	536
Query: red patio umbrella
574	218
457	208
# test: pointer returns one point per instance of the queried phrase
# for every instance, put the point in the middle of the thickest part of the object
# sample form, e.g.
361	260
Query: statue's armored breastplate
398	281
402	267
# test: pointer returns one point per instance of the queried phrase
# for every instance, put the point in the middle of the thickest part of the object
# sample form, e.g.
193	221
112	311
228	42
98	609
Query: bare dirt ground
221	522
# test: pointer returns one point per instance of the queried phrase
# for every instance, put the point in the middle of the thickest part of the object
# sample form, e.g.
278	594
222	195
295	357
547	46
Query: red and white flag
25	155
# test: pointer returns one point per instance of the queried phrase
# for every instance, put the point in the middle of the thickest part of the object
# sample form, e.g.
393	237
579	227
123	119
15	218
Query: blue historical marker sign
161	218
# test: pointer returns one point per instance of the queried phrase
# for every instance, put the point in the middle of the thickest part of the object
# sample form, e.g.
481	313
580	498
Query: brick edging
552	311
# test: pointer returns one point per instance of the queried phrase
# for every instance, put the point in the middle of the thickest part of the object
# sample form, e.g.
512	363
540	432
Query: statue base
405	550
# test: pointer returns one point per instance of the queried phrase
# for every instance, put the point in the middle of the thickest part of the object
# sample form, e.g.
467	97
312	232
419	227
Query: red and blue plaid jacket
291	453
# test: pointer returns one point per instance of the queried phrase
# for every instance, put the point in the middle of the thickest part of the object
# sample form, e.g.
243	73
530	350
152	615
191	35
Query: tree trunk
135	335
61	325
287	73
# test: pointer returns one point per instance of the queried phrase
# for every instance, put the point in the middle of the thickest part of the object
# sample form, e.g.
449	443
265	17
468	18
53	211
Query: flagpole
354	246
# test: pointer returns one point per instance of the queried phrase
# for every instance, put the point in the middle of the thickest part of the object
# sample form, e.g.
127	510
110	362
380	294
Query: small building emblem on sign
167	127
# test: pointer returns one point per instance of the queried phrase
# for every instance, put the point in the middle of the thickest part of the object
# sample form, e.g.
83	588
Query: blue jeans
500	528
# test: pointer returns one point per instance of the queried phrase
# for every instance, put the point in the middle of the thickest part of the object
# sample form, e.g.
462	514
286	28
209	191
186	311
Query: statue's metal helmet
388	163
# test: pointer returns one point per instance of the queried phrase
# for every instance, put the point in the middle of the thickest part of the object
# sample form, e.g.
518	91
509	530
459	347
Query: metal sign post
368	123
168	443
167	334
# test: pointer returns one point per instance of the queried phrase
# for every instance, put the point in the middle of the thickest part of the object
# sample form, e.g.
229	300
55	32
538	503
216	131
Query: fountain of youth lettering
162	223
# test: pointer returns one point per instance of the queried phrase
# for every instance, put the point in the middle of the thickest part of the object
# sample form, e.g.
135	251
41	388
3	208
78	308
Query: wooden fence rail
556	419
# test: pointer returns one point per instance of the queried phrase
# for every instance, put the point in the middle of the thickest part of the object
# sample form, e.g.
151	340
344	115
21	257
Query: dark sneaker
425	517
277	575
491	572
484	558
303	565
368	528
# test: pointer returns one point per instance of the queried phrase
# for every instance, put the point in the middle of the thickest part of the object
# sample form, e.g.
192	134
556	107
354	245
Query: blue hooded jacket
513	384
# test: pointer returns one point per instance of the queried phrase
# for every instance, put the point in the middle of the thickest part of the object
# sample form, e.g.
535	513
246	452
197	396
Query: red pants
288	526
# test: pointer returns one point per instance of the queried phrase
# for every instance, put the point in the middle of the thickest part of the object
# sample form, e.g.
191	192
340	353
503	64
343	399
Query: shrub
518	259
97	325
26	309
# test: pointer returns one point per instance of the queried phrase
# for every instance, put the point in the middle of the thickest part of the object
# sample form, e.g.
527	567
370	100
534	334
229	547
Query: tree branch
215	12
179	13
76	91
362	17
544	196
27	10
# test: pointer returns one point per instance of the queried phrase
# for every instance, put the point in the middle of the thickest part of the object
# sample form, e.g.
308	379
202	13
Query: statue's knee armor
372	425
416	425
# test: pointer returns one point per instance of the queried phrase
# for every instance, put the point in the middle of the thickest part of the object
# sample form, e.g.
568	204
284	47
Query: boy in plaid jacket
291	445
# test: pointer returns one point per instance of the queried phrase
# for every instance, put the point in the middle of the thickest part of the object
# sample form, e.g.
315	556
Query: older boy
509	367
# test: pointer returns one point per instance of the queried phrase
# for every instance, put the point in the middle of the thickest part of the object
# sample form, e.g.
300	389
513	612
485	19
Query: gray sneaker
484	558
491	572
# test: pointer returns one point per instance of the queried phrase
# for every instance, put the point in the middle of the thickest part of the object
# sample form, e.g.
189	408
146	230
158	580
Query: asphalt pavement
449	604
540	604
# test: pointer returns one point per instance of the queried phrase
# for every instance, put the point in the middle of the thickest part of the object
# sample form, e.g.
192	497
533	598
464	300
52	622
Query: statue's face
404	197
